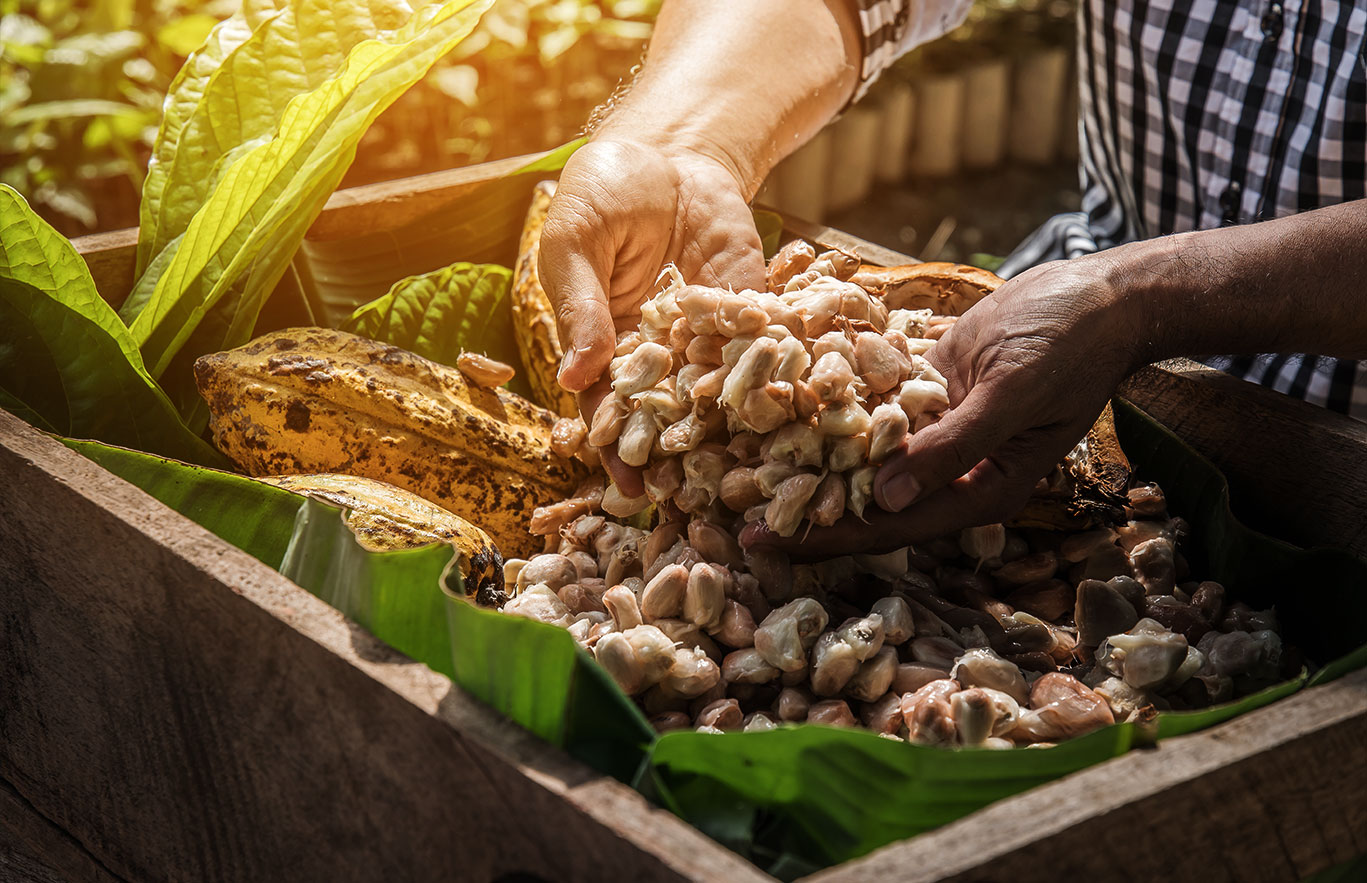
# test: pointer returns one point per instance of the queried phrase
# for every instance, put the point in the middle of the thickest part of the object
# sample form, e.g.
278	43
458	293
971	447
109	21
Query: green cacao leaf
442	314
234	90
264	192
67	363
186	94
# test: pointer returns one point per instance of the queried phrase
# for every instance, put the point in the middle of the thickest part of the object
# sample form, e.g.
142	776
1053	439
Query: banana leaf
255	517
817	796
397	596
538	677
411	599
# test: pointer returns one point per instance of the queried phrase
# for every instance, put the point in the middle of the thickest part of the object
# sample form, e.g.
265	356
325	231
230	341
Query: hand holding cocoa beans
1027	371
776	405
623	210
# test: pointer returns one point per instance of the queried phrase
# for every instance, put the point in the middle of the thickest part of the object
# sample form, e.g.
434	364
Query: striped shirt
1197	115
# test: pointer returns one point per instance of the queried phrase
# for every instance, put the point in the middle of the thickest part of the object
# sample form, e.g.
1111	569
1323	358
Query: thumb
943	451
585	322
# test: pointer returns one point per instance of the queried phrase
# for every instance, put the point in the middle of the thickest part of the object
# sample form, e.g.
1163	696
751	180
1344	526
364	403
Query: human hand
1029	369
622	210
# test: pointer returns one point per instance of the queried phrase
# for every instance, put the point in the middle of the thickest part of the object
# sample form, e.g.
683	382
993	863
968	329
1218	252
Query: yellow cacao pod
308	400
384	517
948	289
538	341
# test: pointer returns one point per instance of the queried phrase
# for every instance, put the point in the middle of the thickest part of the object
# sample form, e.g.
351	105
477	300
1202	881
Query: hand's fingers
880	531
953	358
575	262
627	478
583	316
943	451
722	255
994	490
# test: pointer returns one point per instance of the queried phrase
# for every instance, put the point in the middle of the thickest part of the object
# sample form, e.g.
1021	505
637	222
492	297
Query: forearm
1297	284
742	81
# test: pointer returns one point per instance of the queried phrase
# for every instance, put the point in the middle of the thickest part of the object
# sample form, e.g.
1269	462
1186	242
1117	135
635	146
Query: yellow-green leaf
67	363
240	240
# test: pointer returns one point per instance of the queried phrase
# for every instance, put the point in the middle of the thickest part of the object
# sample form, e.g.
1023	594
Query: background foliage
82	84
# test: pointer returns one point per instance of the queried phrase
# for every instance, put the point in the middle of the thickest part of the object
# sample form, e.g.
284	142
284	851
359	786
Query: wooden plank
112	258
183	712
352	235
391	204
1276	794
1295	470
33	850
371	208
868	252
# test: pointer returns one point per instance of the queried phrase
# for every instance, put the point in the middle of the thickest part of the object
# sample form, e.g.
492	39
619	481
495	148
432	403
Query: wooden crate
172	709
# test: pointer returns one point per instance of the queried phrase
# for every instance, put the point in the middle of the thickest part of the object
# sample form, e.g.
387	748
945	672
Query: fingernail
900	491
564	364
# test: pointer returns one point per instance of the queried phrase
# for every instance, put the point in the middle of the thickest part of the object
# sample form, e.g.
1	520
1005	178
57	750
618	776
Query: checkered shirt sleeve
889	29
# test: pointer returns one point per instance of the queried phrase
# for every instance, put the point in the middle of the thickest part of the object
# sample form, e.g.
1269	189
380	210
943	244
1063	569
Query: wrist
684	145
1144	291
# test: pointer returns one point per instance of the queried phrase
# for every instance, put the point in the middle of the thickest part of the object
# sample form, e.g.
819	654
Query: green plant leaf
1179	723
241	238
396	596
825	795
533	673
251	515
235	90
67	364
185	95
439	315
